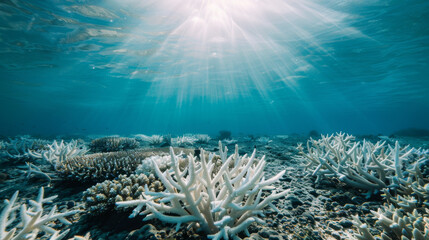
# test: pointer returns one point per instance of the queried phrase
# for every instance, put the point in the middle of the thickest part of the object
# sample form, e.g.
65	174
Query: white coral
32	219
202	138
58	153
221	204
184	141
152	140
18	147
359	164
147	166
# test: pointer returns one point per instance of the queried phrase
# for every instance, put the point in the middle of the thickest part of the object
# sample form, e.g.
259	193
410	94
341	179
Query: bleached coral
19	147
220	204
202	138
359	164
162	161
420	152
32	220
184	141
396	224
56	153
147	165
152	140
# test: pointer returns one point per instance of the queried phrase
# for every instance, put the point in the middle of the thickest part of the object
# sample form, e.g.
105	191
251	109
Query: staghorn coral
363	165
113	144
397	224
221	205
18	147
415	185
58	153
405	215
102	166
32	220
103	196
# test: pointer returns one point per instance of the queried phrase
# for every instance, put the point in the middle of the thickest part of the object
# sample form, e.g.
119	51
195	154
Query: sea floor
309	211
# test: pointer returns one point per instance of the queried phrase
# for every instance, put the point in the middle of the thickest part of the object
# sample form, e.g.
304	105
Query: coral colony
220	203
32	220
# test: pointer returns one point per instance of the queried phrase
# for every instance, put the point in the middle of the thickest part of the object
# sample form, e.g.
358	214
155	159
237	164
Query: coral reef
359	164
32	220
221	205
102	166
113	144
103	196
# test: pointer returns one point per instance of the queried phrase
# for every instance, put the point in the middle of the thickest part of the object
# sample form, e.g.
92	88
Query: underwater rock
224	134
412	132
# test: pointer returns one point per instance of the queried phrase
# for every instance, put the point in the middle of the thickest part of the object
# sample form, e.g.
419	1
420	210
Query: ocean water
199	66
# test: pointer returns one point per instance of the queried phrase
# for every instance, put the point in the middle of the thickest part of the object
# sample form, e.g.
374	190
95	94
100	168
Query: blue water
198	66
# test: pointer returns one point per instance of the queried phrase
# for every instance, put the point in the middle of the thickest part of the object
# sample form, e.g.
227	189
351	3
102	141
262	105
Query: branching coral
56	153
397	224
32	220
103	196
359	164
18	147
221	205
113	144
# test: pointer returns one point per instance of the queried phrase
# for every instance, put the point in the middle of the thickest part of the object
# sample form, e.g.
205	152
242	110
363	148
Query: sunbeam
215	42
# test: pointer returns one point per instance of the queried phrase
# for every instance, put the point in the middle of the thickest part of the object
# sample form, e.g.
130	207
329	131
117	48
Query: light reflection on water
279	65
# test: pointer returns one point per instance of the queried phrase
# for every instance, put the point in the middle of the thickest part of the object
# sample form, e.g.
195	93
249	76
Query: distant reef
412	132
